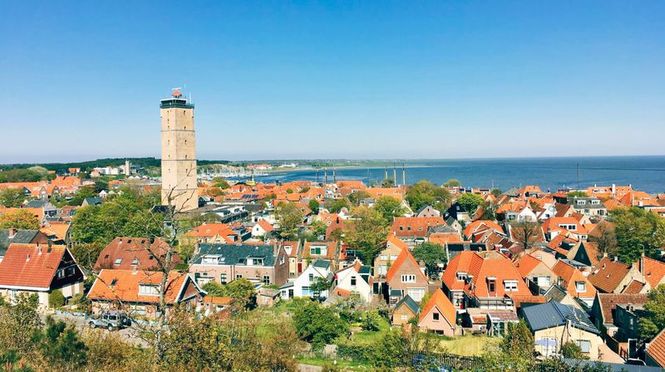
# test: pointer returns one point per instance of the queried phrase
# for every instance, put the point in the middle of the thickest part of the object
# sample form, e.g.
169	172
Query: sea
645	173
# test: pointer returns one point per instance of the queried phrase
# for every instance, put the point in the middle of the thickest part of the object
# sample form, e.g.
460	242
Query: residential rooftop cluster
449	260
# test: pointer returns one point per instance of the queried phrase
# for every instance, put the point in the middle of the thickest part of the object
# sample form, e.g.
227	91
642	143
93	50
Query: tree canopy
389	207
19	219
425	193
470	202
432	254
289	216
367	232
637	231
653	319
126	214
317	324
12	198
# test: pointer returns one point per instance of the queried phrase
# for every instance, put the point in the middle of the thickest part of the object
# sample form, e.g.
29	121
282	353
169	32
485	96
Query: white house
525	215
354	279
301	287
261	228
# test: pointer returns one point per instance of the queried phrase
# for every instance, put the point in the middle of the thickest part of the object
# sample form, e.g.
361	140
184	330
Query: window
585	345
510	285
266	279
491	285
135	262
409	278
416	293
580	286
353	281
543	281
222	278
60	273
462	275
117	261
148	290
315	250
238	276
404	317
435	317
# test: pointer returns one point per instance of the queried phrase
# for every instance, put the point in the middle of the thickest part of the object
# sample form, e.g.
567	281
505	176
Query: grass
469	345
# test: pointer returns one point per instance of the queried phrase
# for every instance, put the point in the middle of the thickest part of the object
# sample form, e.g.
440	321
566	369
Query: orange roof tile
123	285
404	256
30	265
653	271
443	304
656	349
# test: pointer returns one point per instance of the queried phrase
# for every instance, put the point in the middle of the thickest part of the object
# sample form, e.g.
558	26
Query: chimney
39	249
135	269
615	259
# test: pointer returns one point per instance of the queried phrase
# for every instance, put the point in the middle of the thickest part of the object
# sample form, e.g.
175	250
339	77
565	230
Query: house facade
224	263
39	269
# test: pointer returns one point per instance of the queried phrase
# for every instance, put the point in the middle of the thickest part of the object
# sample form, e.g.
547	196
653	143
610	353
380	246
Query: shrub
56	299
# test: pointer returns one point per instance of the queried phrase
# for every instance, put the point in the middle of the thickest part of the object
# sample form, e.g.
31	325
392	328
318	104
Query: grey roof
442	229
409	302
323	264
93	200
555	293
236	254
395	292
21	236
37	203
366	269
554	314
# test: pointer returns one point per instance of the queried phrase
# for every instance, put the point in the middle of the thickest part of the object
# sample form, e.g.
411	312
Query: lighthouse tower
179	187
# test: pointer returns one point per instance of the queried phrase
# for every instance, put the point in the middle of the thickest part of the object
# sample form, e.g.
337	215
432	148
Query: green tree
242	290
20	219
653	319
518	341
388	182
290	217
319	286
572	351
496	192
425	193
389	207
470	202
317	324
606	239
18	324
433	255
356	197
220	182
56	299
366	232
61	346
638	232
127	214
336	205
81	194
12	198
453	182
314	206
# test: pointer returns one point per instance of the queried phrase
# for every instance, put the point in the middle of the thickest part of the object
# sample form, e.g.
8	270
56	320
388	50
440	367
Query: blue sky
347	79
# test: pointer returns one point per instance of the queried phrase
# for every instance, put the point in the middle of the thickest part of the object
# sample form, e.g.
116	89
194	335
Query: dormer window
117	261
491	284
462	275
510	285
135	262
148	290
580	287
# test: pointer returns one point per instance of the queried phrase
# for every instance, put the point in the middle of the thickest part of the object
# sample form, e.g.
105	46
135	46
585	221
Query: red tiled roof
526	264
570	275
656	349
653	271
30	265
132	252
415	226
401	259
443	304
608	301
609	275
265	225
123	285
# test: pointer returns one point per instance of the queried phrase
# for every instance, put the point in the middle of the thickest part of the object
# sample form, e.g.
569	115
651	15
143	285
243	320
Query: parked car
111	320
